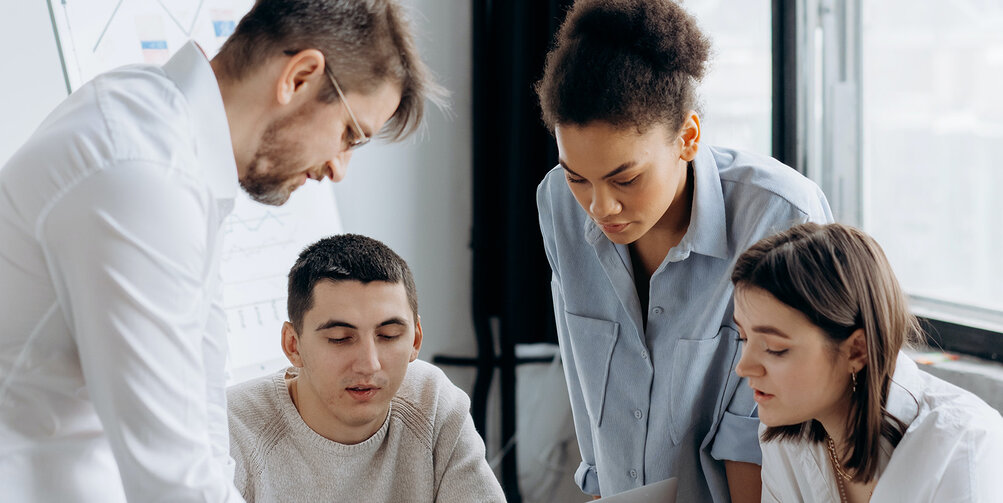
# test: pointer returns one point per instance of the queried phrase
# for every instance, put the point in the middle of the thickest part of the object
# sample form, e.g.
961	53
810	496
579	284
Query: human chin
773	413
270	187
358	409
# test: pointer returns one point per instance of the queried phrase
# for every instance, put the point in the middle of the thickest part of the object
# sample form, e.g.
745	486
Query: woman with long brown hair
846	416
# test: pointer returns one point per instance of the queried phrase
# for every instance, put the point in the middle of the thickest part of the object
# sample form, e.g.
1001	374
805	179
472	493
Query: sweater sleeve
461	470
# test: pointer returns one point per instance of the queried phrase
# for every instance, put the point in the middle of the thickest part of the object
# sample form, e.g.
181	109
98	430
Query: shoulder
952	413
253	407
953	446
562	220
762	196
555	201
750	178
147	116
426	385
428	401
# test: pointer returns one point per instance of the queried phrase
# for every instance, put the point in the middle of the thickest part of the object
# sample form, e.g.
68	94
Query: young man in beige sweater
357	417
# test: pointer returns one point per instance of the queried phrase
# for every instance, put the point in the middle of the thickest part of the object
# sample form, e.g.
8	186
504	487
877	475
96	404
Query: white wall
416	195
31	79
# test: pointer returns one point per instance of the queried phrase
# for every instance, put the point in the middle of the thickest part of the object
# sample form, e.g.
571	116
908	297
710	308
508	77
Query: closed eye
628	182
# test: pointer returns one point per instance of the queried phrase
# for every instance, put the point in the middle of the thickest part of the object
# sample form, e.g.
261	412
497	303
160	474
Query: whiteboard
260	242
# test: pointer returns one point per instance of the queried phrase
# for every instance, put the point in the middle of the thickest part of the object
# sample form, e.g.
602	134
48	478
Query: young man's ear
303	69
856	350
690	136
417	340
291	345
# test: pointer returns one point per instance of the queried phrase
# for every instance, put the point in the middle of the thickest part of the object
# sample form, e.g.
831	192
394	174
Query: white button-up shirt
951	451
113	346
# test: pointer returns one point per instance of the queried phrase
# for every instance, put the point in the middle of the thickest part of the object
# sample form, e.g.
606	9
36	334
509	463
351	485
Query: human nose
603	204
367	360
747	365
338	167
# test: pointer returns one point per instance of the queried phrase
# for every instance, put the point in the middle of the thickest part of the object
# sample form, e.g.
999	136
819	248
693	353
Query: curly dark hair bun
625	62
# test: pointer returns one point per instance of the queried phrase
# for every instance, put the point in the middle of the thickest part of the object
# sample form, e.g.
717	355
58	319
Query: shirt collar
190	70
707	233
905	390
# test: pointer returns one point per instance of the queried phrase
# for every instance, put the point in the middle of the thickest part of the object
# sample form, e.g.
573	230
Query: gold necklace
840	474
835	459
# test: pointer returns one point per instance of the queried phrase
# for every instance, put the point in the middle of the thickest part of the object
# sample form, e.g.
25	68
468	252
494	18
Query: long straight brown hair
840	279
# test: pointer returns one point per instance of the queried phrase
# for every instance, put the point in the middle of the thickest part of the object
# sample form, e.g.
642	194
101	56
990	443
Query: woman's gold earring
853	375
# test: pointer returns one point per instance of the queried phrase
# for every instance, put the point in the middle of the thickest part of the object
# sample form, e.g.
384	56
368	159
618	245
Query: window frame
816	91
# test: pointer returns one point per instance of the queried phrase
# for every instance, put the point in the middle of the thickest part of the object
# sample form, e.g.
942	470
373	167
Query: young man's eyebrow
332	323
619	169
394	321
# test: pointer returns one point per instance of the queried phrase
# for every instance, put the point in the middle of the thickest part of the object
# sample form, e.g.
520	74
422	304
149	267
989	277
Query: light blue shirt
666	402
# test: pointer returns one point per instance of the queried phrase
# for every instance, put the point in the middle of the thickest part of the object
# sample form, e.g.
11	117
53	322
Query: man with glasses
112	383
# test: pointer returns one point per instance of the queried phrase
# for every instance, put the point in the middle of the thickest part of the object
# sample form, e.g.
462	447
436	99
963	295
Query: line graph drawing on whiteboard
260	245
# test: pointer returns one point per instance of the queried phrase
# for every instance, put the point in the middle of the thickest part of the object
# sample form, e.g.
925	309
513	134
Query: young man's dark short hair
345	257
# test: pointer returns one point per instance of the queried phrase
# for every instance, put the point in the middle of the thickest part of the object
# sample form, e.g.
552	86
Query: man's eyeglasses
358	137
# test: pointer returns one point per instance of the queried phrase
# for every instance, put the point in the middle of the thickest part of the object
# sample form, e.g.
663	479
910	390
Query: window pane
736	94
933	145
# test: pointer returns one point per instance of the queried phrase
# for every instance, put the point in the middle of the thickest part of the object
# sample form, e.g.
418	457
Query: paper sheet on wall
260	242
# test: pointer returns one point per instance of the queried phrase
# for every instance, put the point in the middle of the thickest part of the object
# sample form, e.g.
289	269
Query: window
932	113
736	91
906	139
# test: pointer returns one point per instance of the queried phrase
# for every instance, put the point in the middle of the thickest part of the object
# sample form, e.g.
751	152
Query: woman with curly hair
641	225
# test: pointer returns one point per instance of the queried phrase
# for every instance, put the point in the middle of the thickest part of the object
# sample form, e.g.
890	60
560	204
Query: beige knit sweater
426	450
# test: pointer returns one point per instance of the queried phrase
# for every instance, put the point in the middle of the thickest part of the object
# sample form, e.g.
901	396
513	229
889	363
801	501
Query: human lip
760	396
363	392
612	228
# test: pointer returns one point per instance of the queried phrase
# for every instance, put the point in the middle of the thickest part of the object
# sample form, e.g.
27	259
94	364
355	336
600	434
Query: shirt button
637	413
633	474
658	310
644	355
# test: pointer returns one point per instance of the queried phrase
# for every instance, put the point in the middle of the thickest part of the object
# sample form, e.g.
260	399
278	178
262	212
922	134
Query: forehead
755	306
603	146
358	303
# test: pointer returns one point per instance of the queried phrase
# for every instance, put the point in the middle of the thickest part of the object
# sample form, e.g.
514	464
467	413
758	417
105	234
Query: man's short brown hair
365	43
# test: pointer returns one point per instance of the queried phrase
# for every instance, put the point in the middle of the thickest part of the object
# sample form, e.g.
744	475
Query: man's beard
274	171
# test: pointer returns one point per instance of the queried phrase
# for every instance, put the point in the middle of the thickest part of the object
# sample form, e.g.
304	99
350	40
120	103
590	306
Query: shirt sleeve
737	437
465	475
128	253
586	476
